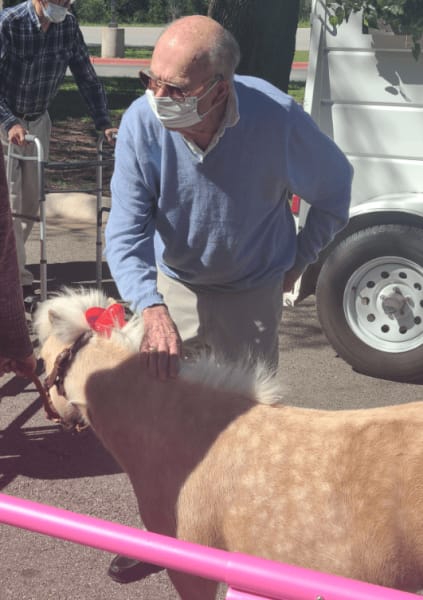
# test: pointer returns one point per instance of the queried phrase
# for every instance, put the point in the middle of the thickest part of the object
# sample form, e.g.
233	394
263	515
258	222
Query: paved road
147	36
41	463
134	36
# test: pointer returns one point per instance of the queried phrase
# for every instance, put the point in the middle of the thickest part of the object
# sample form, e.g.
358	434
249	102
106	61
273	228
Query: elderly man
39	40
200	238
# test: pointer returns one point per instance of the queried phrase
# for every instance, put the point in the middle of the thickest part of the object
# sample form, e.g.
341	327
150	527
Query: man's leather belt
28	116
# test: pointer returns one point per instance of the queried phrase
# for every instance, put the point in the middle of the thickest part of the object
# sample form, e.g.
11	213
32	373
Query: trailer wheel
370	301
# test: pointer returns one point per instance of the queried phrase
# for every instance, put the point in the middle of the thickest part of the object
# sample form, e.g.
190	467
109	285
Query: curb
144	62
120	61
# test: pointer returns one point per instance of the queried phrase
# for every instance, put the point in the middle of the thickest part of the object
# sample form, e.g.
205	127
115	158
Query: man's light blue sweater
222	222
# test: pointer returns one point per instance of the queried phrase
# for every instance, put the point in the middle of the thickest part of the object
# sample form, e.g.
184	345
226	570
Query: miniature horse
215	458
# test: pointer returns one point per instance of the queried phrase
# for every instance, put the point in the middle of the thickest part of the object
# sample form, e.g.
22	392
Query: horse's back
334	491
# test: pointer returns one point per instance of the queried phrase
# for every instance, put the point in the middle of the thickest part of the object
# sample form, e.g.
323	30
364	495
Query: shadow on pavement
49	452
72	274
300	327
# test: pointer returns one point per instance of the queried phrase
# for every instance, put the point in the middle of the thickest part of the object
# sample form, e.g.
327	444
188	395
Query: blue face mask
55	13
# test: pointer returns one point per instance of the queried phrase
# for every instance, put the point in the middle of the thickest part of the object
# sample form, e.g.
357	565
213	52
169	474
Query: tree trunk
265	31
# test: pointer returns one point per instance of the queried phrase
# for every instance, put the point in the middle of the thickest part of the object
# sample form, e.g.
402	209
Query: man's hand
111	134
290	278
24	367
161	344
16	135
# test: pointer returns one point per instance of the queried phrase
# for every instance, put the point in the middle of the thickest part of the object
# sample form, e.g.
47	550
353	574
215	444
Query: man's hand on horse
161	344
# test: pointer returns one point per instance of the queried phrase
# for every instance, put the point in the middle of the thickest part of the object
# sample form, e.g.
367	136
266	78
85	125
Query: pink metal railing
248	577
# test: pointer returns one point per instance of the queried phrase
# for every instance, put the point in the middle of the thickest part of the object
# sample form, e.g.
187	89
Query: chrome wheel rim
383	304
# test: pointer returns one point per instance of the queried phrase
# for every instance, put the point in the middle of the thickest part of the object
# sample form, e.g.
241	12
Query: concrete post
112	42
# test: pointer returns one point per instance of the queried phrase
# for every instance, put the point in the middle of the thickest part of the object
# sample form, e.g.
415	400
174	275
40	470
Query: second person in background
39	41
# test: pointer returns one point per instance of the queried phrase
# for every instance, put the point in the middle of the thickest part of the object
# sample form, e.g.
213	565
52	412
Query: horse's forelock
63	315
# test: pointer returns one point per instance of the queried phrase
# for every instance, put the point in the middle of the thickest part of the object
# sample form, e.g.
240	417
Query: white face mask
55	13
178	115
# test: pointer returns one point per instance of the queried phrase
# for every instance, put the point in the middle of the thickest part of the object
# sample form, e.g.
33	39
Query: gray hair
225	54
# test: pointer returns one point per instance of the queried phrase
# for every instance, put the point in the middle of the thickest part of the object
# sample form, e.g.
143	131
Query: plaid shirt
33	64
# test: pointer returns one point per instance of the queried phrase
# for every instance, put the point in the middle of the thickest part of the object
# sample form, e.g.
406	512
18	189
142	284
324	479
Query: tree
178	8
402	16
95	11
265	31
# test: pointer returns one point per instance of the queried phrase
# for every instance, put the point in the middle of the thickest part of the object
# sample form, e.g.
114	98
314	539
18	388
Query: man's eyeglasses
173	91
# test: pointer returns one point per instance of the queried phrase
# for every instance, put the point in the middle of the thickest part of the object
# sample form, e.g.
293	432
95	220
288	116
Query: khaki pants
23	186
237	326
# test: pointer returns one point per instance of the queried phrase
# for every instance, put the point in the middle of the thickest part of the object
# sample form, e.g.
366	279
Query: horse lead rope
51	414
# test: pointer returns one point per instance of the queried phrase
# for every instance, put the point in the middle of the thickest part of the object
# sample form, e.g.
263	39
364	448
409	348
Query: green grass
130	51
121	91
301	56
296	90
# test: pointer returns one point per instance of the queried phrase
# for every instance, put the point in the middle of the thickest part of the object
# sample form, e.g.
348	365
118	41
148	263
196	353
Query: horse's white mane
63	316
256	382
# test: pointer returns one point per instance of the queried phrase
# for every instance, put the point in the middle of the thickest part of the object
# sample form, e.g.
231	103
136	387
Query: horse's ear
53	316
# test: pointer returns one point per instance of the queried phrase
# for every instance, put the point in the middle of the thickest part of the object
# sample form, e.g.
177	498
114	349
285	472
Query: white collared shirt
230	119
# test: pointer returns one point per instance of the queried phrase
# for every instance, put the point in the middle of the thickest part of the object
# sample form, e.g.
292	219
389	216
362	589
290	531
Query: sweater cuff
9	122
103	124
18	347
300	265
147	301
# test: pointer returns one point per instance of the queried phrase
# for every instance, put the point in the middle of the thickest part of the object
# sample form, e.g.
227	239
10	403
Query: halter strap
57	376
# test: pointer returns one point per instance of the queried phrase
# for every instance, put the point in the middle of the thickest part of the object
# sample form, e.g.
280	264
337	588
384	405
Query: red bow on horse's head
103	320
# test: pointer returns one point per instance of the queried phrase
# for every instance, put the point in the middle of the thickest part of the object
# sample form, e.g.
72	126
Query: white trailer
365	90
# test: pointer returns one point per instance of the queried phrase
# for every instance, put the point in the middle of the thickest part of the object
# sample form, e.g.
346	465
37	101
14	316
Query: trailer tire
369	298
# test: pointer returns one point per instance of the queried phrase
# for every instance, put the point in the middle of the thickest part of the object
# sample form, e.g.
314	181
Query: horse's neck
158	431
138	416
98	355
